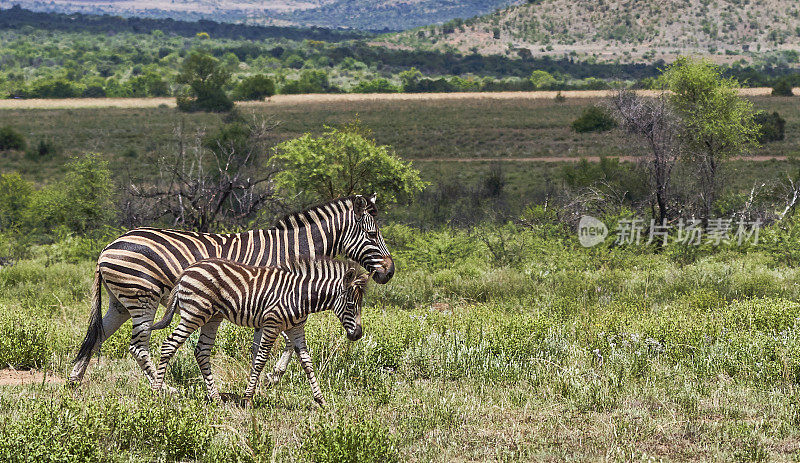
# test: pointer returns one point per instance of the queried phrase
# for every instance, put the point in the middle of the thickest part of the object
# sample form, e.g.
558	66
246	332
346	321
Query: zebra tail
171	304
95	331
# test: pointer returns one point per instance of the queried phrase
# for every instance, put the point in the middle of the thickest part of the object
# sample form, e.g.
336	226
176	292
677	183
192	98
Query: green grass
642	355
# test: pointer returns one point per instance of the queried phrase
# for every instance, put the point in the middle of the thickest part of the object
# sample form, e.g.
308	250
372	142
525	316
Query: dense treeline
66	56
18	18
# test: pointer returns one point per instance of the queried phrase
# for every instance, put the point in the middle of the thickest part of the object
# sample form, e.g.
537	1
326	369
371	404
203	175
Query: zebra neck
322	295
299	236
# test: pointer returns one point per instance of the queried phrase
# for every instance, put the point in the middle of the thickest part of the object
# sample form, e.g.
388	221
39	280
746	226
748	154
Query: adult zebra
140	268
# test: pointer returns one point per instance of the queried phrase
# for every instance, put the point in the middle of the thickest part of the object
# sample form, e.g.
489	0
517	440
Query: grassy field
425	131
549	352
491	343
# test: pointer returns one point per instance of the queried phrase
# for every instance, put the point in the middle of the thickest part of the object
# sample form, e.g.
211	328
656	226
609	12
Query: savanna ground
498	342
489	132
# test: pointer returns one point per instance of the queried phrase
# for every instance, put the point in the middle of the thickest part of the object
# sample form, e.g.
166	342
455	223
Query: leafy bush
45	149
71	430
24	341
309	82
594	119
783	87
15	194
10	139
364	441
80	203
254	88
215	101
380	85
58	88
772	126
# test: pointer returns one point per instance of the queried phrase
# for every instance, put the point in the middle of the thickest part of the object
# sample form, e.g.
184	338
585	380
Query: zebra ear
350	277
373	198
359	205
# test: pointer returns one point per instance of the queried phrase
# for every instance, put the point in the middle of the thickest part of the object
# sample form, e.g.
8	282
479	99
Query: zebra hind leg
283	361
117	315
298	336
141	319
171	345
267	340
202	353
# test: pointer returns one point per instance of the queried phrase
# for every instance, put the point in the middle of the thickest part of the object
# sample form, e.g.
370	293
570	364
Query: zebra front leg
267	340
171	345
283	361
202	353
298	335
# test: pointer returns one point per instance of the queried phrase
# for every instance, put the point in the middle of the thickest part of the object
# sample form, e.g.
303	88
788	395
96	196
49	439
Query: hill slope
622	29
358	14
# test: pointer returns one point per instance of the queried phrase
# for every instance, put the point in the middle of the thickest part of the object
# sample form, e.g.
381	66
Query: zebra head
347	305
364	243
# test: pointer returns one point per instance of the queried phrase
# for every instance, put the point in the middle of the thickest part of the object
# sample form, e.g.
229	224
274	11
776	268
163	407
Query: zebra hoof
229	397
321	402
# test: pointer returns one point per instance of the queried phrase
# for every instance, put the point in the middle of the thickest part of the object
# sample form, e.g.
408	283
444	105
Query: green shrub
214	101
772	126
45	149
254	88
71	430
80	203
379	85
783	87
15	195
10	139
24	341
309	82
594	119
364	441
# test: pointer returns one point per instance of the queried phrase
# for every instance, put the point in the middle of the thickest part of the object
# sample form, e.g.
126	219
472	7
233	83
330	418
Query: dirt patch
576	159
20	378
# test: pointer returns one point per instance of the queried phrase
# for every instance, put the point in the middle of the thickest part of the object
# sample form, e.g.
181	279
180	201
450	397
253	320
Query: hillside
625	30
354	14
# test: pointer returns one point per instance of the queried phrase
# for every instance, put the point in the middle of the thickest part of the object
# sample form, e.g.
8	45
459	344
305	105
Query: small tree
772	127
255	88
208	182
206	80
783	87
653	122
542	79
717	123
343	162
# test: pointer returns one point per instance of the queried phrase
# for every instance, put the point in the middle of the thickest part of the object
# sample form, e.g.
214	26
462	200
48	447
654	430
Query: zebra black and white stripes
140	268
274	299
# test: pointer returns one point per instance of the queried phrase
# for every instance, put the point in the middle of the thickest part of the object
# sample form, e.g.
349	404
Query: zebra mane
284	222
320	265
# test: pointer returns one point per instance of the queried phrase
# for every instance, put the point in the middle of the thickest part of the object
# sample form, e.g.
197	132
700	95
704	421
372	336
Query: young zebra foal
274	299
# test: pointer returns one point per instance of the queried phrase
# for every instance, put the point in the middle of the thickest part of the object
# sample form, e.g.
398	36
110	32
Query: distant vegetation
16	18
47	62
365	15
625	32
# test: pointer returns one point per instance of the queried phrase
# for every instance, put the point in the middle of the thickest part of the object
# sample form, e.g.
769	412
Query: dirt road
327	98
576	159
